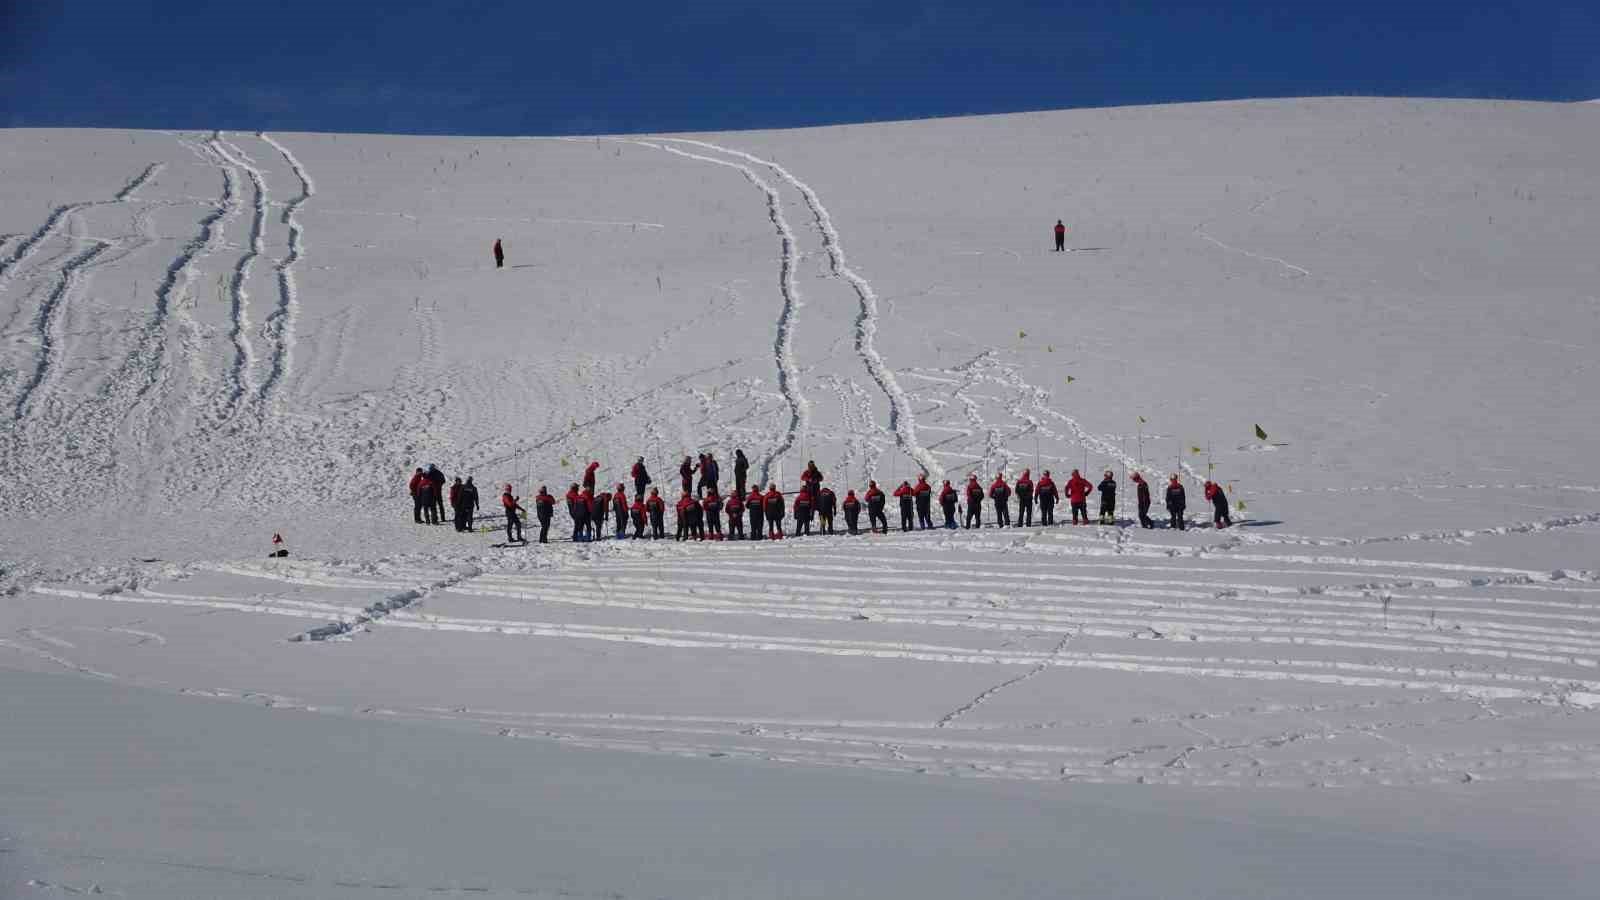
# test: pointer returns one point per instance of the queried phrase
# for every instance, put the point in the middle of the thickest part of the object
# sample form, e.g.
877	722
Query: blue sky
570	67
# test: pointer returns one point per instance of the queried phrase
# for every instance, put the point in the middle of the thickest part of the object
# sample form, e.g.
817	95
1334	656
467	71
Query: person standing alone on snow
1061	236
1144	501
741	468
499	255
1219	505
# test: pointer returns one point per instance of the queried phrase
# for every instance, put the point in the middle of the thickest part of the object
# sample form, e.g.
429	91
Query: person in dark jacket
1176	502
1047	495
425	492
513	521
657	508
436	481
741	468
640	517
1144	501
734	507
680	512
827	503
1061	236
1024	491
924	495
712	505
499	255
1108	499
697	519
578	510
469	504
455	503
589	476
709	470
641	478
772	508
686	474
802	512
1219	505
755	504
974	517
907	496
1000	493
947	502
544	506
599	512
811	478
419	478
875	503
852	512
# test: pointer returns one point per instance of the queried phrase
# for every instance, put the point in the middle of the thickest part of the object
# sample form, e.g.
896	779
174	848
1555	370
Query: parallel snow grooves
783	346
280	325
30	244
241	373
388	606
902	420
46	324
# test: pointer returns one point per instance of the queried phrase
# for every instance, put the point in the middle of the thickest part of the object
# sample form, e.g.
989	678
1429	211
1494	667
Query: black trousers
852	517
513	523
949	517
924	513
1108	508
1219	516
1061	241
638	488
875	516
825	523
1175	519
736	525
1144	515
639	522
1002	512
1024	512
907	521
544	529
974	515
1080	509
461	518
802	525
416	508
656	529
714	523
755	523
1047	512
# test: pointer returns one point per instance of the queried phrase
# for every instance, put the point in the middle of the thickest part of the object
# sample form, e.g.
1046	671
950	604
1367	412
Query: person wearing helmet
1219	505
513	522
974	502
641	478
1047	495
657	508
852	512
1024	491
1000	493
826	504
1108	499
1176	502
1144	501
908	497
544	506
947	503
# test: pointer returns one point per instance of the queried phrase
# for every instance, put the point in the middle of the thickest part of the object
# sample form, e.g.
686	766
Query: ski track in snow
902	420
783	345
47	324
281	323
30	244
241	374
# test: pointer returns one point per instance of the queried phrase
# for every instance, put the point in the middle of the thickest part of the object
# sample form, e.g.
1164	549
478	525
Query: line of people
702	512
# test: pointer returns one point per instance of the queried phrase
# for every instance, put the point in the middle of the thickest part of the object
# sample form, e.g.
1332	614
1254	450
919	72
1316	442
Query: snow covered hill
209	338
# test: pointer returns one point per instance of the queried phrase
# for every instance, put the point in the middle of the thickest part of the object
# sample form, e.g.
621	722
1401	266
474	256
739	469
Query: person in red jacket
641	478
619	509
755	506
418	479
875	501
826	504
712	505
924	494
803	508
1219	505
640	518
544	506
772	508
1000	493
1045	491
908	497
513	523
1078	489
974	502
947	502
1024	491
852	512
657	508
578	510
1061	236
735	510
588	476
681	508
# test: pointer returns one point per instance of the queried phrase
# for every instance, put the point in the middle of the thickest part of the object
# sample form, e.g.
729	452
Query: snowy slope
209	338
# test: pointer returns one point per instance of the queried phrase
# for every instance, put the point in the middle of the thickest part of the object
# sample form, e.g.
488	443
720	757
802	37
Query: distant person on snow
499	255
436	481
1024	492
924	494
709	472
681	510
1144	501
572	510
513	522
1078	488
712	505
734	507
802	512
1047	495
974	503
1061	236
811	478
588	476
686	473
755	505
599	511
1000	493
1108	499
544	506
1219	505
947	502
1176	503
455	503
908	498
852	512
619	508
640	518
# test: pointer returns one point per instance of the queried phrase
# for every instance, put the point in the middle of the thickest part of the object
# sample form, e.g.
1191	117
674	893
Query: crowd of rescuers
702	512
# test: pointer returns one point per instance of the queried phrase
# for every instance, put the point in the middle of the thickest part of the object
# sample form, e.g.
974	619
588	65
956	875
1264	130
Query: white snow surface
1381	681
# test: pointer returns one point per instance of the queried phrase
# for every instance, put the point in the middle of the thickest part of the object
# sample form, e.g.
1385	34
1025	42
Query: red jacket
684	502
974	490
417	481
1078	488
734	505
638	509
509	502
904	490
619	501
656	504
946	491
1061	229
755	499
455	492
998	489
1045	488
